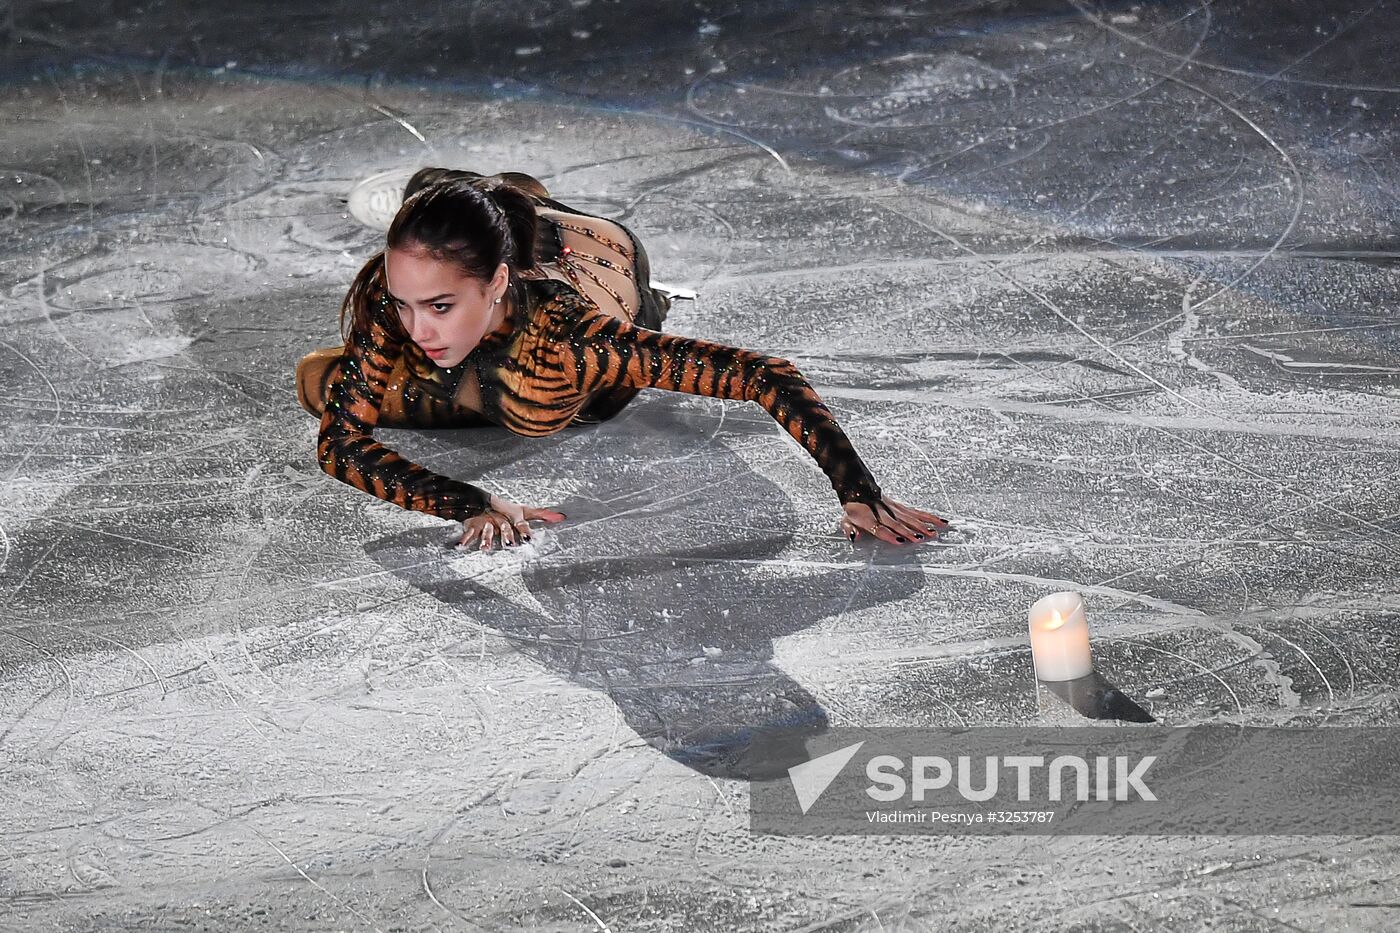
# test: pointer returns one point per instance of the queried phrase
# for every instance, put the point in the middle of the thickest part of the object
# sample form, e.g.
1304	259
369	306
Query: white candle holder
1060	637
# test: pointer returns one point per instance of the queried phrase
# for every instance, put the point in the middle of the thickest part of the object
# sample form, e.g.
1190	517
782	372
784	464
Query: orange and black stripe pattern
346	447
554	356
609	353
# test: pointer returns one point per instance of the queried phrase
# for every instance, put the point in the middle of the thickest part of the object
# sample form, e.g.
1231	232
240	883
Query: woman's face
444	310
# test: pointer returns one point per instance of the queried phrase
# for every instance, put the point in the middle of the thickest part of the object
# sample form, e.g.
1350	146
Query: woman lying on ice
494	304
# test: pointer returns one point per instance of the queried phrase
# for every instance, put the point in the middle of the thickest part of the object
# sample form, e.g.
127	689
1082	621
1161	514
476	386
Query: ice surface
1111	286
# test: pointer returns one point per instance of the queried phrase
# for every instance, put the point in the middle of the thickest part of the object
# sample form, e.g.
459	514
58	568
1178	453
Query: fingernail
919	536
899	539
851	535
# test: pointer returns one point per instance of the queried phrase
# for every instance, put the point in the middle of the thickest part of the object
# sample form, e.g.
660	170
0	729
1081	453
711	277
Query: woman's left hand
891	521
511	518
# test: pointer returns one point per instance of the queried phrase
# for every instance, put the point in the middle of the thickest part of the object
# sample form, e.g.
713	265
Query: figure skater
494	304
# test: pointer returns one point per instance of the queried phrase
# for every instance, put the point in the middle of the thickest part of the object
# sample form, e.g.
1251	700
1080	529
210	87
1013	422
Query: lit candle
1060	637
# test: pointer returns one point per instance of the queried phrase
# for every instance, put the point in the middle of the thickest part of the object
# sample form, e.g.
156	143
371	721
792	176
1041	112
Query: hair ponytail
519	212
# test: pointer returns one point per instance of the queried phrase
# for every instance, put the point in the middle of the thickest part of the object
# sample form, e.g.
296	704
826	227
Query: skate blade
674	291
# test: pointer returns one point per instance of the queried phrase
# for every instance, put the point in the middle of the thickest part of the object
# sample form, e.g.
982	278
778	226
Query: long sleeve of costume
609	352
348	451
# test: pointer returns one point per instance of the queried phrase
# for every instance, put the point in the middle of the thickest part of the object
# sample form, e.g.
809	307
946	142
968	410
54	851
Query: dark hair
470	220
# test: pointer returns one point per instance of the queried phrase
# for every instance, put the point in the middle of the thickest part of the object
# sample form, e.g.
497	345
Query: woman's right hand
505	521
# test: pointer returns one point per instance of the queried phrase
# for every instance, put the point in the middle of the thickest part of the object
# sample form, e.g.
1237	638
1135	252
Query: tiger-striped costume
555	359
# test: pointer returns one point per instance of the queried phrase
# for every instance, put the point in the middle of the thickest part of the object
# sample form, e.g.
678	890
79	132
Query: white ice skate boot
375	201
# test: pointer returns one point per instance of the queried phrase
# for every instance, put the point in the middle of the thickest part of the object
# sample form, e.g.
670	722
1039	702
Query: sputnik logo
811	778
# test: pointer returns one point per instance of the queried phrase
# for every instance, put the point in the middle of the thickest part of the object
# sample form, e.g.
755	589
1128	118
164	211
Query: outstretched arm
347	450
611	352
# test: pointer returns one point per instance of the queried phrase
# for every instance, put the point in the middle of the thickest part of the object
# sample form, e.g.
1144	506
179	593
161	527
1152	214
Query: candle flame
1056	620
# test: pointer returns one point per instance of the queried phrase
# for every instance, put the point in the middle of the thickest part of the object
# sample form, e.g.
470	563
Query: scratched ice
1112	286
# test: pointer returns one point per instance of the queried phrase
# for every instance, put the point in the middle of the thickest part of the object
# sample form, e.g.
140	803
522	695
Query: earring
498	301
